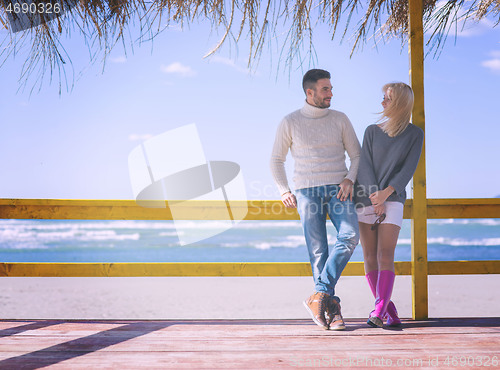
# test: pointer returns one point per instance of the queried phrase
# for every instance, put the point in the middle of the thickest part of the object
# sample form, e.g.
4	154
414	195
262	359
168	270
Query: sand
229	297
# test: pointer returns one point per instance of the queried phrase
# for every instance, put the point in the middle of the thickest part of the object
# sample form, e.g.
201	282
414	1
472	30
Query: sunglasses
378	221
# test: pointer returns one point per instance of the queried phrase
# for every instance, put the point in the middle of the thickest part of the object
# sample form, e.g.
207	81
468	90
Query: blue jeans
313	204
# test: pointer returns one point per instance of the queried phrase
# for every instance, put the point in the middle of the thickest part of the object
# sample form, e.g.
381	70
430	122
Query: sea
247	241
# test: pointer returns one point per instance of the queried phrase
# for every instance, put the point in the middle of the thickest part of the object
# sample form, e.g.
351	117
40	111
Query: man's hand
289	200
346	190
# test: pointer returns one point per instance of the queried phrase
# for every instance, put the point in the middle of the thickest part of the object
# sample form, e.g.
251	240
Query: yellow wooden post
419	208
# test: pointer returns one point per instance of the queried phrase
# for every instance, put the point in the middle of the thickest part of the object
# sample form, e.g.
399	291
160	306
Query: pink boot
385	283
392	314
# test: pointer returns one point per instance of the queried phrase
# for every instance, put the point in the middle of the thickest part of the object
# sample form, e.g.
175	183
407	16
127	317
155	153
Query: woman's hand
379	197
379	210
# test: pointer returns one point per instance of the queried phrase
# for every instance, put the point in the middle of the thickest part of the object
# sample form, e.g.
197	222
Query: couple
318	138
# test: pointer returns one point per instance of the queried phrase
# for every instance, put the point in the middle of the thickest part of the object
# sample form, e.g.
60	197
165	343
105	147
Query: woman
389	157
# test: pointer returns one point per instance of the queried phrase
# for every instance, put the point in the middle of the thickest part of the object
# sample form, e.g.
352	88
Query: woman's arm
366	174
404	175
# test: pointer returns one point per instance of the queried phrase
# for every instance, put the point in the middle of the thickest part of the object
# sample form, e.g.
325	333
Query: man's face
321	95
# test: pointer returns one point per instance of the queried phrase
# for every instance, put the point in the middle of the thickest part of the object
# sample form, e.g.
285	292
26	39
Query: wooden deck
249	344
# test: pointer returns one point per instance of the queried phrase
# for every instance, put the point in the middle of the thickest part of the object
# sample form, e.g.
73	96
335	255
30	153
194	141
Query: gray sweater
388	161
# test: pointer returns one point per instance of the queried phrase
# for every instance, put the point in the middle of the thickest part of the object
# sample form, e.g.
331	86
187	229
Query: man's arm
353	149
282	144
351	145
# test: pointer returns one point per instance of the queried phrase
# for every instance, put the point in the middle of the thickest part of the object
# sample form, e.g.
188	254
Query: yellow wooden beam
463	267
154	269
171	269
463	208
74	209
419	206
56	269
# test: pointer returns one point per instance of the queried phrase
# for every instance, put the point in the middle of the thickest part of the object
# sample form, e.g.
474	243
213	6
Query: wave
143	225
170	227
291	241
173	233
241	225
457	242
454	221
261	235
298	241
24	237
60	225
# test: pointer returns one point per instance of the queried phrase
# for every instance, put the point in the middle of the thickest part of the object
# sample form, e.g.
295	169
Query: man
318	138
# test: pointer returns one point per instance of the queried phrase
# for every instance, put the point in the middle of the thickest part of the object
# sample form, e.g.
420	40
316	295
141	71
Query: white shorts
393	214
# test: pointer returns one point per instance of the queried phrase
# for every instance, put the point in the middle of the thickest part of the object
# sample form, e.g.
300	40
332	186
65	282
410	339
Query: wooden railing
214	210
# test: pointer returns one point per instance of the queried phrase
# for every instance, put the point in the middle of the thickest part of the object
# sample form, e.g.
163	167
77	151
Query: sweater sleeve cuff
351	177
283	189
397	188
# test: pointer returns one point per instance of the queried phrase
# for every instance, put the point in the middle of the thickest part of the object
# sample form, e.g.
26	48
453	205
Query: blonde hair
396	116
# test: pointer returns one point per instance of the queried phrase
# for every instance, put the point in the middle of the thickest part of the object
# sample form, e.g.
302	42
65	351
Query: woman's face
387	99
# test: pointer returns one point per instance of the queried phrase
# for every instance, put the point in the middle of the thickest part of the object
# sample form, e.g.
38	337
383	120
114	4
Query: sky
75	145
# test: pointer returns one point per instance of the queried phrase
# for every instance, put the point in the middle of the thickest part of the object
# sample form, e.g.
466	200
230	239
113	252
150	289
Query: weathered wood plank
419	206
234	343
35	269
246	344
88	209
54	269
463	267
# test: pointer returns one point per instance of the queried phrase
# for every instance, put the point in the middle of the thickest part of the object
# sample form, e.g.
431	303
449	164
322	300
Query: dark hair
312	76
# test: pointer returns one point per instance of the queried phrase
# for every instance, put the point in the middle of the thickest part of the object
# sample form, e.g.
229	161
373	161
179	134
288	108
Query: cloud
174	27
463	27
179	69
229	63
141	137
119	59
473	28
492	64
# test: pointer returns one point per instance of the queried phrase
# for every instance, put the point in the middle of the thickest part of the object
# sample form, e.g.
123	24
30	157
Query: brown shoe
333	316
330	311
316	306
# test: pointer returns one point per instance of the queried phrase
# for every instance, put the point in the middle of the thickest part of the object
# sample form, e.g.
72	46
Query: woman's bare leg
368	240
387	238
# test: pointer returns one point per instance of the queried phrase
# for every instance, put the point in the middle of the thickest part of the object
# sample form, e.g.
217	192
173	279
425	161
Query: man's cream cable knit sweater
318	139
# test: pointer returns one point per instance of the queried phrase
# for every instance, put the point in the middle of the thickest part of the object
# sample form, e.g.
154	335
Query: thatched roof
104	23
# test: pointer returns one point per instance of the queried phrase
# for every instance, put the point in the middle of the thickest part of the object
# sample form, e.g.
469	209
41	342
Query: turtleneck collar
311	111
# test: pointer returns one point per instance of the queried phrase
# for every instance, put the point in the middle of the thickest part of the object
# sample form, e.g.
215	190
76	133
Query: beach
224	297
229	297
